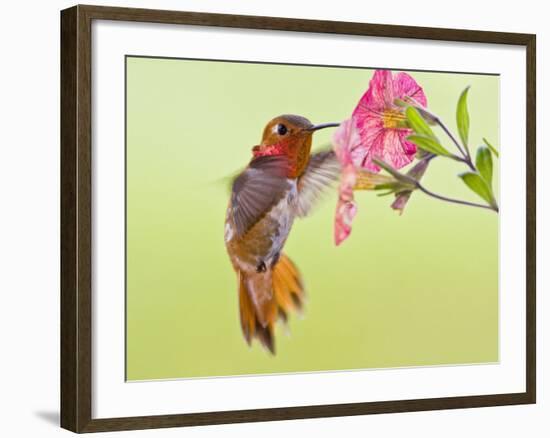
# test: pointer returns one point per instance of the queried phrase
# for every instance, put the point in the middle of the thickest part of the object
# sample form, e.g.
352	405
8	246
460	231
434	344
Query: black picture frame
76	218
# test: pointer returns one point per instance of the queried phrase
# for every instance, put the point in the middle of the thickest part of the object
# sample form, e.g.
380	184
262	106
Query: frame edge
76	222
69	330
302	25
531	217
75	348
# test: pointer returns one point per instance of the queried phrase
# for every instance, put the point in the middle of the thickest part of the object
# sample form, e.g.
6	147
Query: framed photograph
269	218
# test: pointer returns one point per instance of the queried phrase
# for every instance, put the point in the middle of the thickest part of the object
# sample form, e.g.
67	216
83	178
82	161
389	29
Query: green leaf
479	186
428	144
463	118
484	164
418	124
490	146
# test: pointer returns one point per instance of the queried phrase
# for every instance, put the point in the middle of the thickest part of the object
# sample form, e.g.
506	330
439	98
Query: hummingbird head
291	136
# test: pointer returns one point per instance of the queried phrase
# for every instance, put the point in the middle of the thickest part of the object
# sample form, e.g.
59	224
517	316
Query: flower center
393	119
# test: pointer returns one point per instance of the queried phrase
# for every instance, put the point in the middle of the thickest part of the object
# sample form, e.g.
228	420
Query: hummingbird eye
281	129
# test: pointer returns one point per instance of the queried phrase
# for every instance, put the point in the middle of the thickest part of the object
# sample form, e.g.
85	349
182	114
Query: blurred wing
256	190
322	171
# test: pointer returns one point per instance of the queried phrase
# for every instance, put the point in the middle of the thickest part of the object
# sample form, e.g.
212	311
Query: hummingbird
282	181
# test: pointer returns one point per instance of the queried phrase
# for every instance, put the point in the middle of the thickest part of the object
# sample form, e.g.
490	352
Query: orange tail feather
267	296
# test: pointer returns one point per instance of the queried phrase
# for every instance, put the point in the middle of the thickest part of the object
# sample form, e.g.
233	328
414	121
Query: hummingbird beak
322	126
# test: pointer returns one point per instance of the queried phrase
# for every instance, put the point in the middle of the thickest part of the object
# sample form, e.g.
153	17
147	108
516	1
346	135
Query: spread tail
264	297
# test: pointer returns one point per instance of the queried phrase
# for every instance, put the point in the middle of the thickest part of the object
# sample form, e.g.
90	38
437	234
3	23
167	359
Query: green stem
416	183
453	200
466	158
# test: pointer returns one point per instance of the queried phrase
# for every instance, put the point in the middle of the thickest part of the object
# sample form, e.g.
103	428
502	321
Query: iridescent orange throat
272	150
297	154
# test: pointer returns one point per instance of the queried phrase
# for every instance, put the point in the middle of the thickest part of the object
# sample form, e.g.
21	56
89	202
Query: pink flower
344	137
345	207
381	123
376	130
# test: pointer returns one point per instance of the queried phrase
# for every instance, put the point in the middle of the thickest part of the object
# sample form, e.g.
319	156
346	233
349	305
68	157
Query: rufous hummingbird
280	183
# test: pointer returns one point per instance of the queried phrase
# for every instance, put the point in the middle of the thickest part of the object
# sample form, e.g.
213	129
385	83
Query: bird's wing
322	171
256	190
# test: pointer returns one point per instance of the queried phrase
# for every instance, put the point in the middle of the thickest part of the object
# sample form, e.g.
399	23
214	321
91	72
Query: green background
411	290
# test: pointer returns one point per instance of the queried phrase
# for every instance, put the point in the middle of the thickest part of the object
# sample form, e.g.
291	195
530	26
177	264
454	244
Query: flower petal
391	145
376	139
374	131
405	86
345	212
369	130
408	147
378	96
344	140
375	145
394	151
346	208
